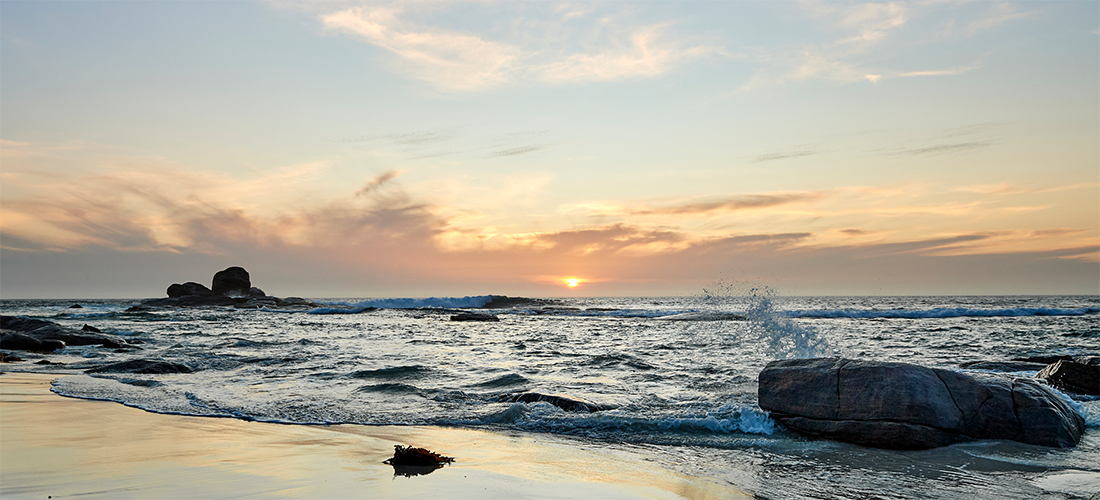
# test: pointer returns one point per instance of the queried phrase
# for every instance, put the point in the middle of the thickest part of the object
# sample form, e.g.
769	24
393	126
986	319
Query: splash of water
784	337
781	336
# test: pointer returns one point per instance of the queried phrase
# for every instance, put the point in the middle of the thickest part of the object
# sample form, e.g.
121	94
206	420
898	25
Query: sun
572	282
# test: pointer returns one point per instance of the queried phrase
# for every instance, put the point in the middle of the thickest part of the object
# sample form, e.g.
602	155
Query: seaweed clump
408	461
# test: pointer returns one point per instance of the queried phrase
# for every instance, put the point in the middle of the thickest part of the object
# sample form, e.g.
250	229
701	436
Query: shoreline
62	447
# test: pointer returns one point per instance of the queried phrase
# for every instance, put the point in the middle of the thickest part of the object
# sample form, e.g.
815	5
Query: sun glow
571	282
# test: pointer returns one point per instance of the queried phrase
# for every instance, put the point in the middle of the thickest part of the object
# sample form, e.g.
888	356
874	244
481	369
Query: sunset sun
571	282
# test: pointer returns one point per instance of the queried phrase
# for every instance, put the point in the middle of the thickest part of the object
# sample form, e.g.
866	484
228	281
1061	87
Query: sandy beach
58	447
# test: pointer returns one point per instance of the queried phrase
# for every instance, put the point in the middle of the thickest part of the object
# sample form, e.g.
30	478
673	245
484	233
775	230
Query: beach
59	447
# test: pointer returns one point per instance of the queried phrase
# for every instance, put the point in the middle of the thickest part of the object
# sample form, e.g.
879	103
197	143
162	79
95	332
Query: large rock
1073	377
16	341
231	281
903	406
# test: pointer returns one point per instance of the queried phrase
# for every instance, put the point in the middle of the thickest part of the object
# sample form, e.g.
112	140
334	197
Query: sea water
678	374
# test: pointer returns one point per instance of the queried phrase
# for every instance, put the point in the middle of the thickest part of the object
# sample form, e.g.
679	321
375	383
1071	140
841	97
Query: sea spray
784	337
781	336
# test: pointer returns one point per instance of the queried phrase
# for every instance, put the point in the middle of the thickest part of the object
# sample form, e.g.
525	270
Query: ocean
675	377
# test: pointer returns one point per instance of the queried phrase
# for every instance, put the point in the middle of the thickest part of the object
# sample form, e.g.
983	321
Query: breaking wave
941	312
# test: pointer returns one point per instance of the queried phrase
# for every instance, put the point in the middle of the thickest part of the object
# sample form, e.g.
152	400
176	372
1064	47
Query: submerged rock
566	403
142	366
903	406
1004	366
469	316
1072	376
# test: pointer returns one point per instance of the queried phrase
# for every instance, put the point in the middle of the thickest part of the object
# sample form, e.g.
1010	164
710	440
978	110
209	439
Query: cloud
783	155
519	150
959	147
998	14
733	204
464	61
863	51
449	60
376	183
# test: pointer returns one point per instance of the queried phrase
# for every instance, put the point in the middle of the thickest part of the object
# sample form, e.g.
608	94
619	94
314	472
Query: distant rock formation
230	287
903	406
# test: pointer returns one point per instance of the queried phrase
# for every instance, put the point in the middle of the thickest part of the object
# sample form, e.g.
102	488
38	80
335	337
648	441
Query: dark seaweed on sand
408	461
407	455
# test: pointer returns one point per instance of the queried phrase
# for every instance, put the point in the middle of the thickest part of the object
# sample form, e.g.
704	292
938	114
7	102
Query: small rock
76	306
90	328
1072	377
469	316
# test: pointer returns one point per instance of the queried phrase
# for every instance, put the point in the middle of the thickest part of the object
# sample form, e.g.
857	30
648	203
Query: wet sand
57	447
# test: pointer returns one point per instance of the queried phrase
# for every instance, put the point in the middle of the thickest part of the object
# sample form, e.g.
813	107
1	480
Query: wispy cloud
467	61
733	204
860	52
794	152
958	147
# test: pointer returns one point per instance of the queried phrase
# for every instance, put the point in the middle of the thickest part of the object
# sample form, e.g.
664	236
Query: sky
420	149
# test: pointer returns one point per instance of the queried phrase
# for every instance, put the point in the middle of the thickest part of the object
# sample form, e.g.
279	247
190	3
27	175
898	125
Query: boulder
904	406
189	288
256	292
231	281
1072	376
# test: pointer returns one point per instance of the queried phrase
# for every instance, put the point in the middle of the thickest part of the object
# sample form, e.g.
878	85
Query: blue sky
643	148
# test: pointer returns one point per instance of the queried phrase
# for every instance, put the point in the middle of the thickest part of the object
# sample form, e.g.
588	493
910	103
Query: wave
941	312
543	417
469	302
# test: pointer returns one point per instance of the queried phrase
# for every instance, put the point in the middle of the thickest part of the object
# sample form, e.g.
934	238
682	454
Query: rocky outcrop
231	281
1072	377
48	330
231	287
903	406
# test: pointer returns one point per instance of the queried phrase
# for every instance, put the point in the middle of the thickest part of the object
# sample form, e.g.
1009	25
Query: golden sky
651	148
